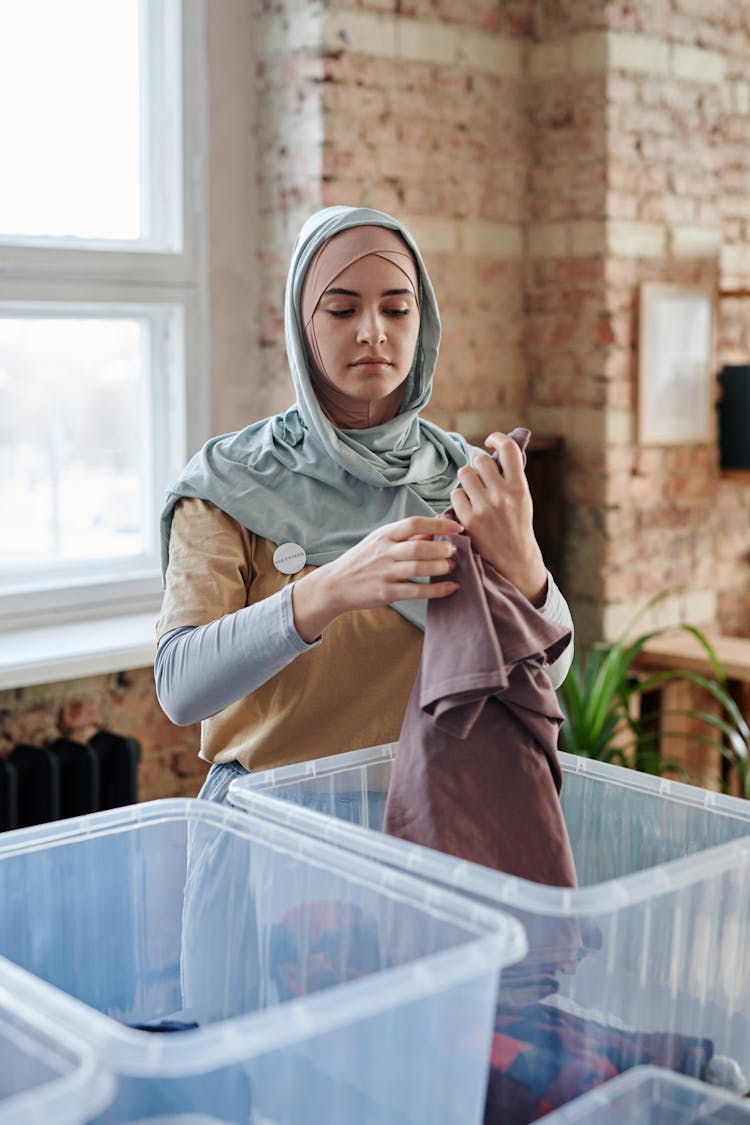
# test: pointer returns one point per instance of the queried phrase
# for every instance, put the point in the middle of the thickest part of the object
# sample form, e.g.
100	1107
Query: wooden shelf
682	650
739	476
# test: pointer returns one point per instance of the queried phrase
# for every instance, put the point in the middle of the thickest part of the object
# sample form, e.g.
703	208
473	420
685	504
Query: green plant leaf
600	700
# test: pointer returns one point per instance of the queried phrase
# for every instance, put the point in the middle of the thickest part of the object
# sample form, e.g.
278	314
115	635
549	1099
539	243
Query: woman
300	552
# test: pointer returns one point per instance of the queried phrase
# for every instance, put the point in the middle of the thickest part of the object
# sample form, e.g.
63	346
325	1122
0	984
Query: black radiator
67	778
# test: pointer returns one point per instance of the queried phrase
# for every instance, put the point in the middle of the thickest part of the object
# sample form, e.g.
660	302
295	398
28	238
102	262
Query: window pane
73	440
82	106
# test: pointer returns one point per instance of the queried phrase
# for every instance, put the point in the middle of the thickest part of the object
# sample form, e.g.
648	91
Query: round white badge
288	558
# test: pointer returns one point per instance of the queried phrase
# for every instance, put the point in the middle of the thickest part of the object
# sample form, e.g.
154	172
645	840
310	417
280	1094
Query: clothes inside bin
339	943
165	1025
542	1056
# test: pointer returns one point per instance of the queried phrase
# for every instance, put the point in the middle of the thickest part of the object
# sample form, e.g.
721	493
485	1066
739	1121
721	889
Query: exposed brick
543	200
21	722
79	719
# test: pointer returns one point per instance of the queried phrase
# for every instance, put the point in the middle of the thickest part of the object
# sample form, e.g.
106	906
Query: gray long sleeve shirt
202	669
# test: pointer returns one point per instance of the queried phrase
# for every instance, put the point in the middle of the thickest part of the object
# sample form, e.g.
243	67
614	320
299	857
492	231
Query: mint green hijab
295	477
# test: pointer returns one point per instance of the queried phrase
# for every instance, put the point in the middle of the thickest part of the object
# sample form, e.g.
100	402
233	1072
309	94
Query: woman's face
366	327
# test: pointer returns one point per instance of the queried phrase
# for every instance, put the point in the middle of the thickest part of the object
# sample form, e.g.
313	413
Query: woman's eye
342	314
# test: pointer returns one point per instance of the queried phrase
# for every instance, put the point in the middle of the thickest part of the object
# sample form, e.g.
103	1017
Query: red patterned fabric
543	1057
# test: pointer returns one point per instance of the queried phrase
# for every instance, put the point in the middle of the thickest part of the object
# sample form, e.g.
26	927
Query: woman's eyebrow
354	293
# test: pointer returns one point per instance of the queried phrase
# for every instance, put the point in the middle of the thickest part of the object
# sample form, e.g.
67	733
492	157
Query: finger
520	434
488	471
462	505
414	526
493	440
509	455
412	591
426	538
420	548
472	486
423	568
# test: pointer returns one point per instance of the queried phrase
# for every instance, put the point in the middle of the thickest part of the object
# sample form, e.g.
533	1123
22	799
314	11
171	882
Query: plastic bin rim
266	830
601	1097
124	1050
495	886
493	940
571	763
89	1087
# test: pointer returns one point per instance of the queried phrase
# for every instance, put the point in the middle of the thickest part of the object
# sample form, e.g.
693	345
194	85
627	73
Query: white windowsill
48	654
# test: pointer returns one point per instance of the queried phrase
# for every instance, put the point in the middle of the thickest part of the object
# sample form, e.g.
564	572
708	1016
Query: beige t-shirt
349	692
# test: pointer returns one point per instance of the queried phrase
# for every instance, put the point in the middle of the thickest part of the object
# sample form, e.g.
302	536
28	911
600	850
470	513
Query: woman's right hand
377	571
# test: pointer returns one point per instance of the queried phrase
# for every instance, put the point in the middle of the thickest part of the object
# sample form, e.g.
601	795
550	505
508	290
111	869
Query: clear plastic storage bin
46	1075
649	1095
228	969
654	940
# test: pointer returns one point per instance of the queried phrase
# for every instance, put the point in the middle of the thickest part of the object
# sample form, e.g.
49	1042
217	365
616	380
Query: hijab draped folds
296	477
352	245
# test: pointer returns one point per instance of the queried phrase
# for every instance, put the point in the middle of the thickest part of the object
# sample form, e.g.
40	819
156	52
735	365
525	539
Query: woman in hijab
300	552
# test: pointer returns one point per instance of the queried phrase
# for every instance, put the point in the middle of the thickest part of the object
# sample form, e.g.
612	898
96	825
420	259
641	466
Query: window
100	296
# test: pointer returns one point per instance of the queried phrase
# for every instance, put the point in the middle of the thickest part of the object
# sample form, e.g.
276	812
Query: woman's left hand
494	505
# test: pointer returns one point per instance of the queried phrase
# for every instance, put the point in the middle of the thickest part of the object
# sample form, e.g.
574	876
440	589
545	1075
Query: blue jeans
218	780
366	809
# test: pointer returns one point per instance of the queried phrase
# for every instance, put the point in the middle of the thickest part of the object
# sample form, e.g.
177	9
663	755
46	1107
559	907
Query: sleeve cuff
554	605
288	628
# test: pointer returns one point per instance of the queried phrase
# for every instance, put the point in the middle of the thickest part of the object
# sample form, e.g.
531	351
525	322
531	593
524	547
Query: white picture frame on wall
675	364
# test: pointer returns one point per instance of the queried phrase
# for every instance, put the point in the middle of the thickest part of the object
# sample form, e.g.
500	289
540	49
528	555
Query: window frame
108	275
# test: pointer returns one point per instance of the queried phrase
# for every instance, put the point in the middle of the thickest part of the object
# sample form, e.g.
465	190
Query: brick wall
731	518
627	188
549	158
124	703
419	113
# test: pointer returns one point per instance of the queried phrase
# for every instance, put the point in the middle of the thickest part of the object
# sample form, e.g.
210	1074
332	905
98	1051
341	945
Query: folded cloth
477	773
543	1057
167	1025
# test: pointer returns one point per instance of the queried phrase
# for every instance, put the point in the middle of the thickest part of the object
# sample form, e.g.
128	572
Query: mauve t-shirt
477	773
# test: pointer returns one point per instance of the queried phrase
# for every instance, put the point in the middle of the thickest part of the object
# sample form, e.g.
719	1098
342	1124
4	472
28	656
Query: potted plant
601	700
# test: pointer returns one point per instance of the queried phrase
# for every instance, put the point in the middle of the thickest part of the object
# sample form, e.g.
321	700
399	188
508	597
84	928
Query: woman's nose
371	329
